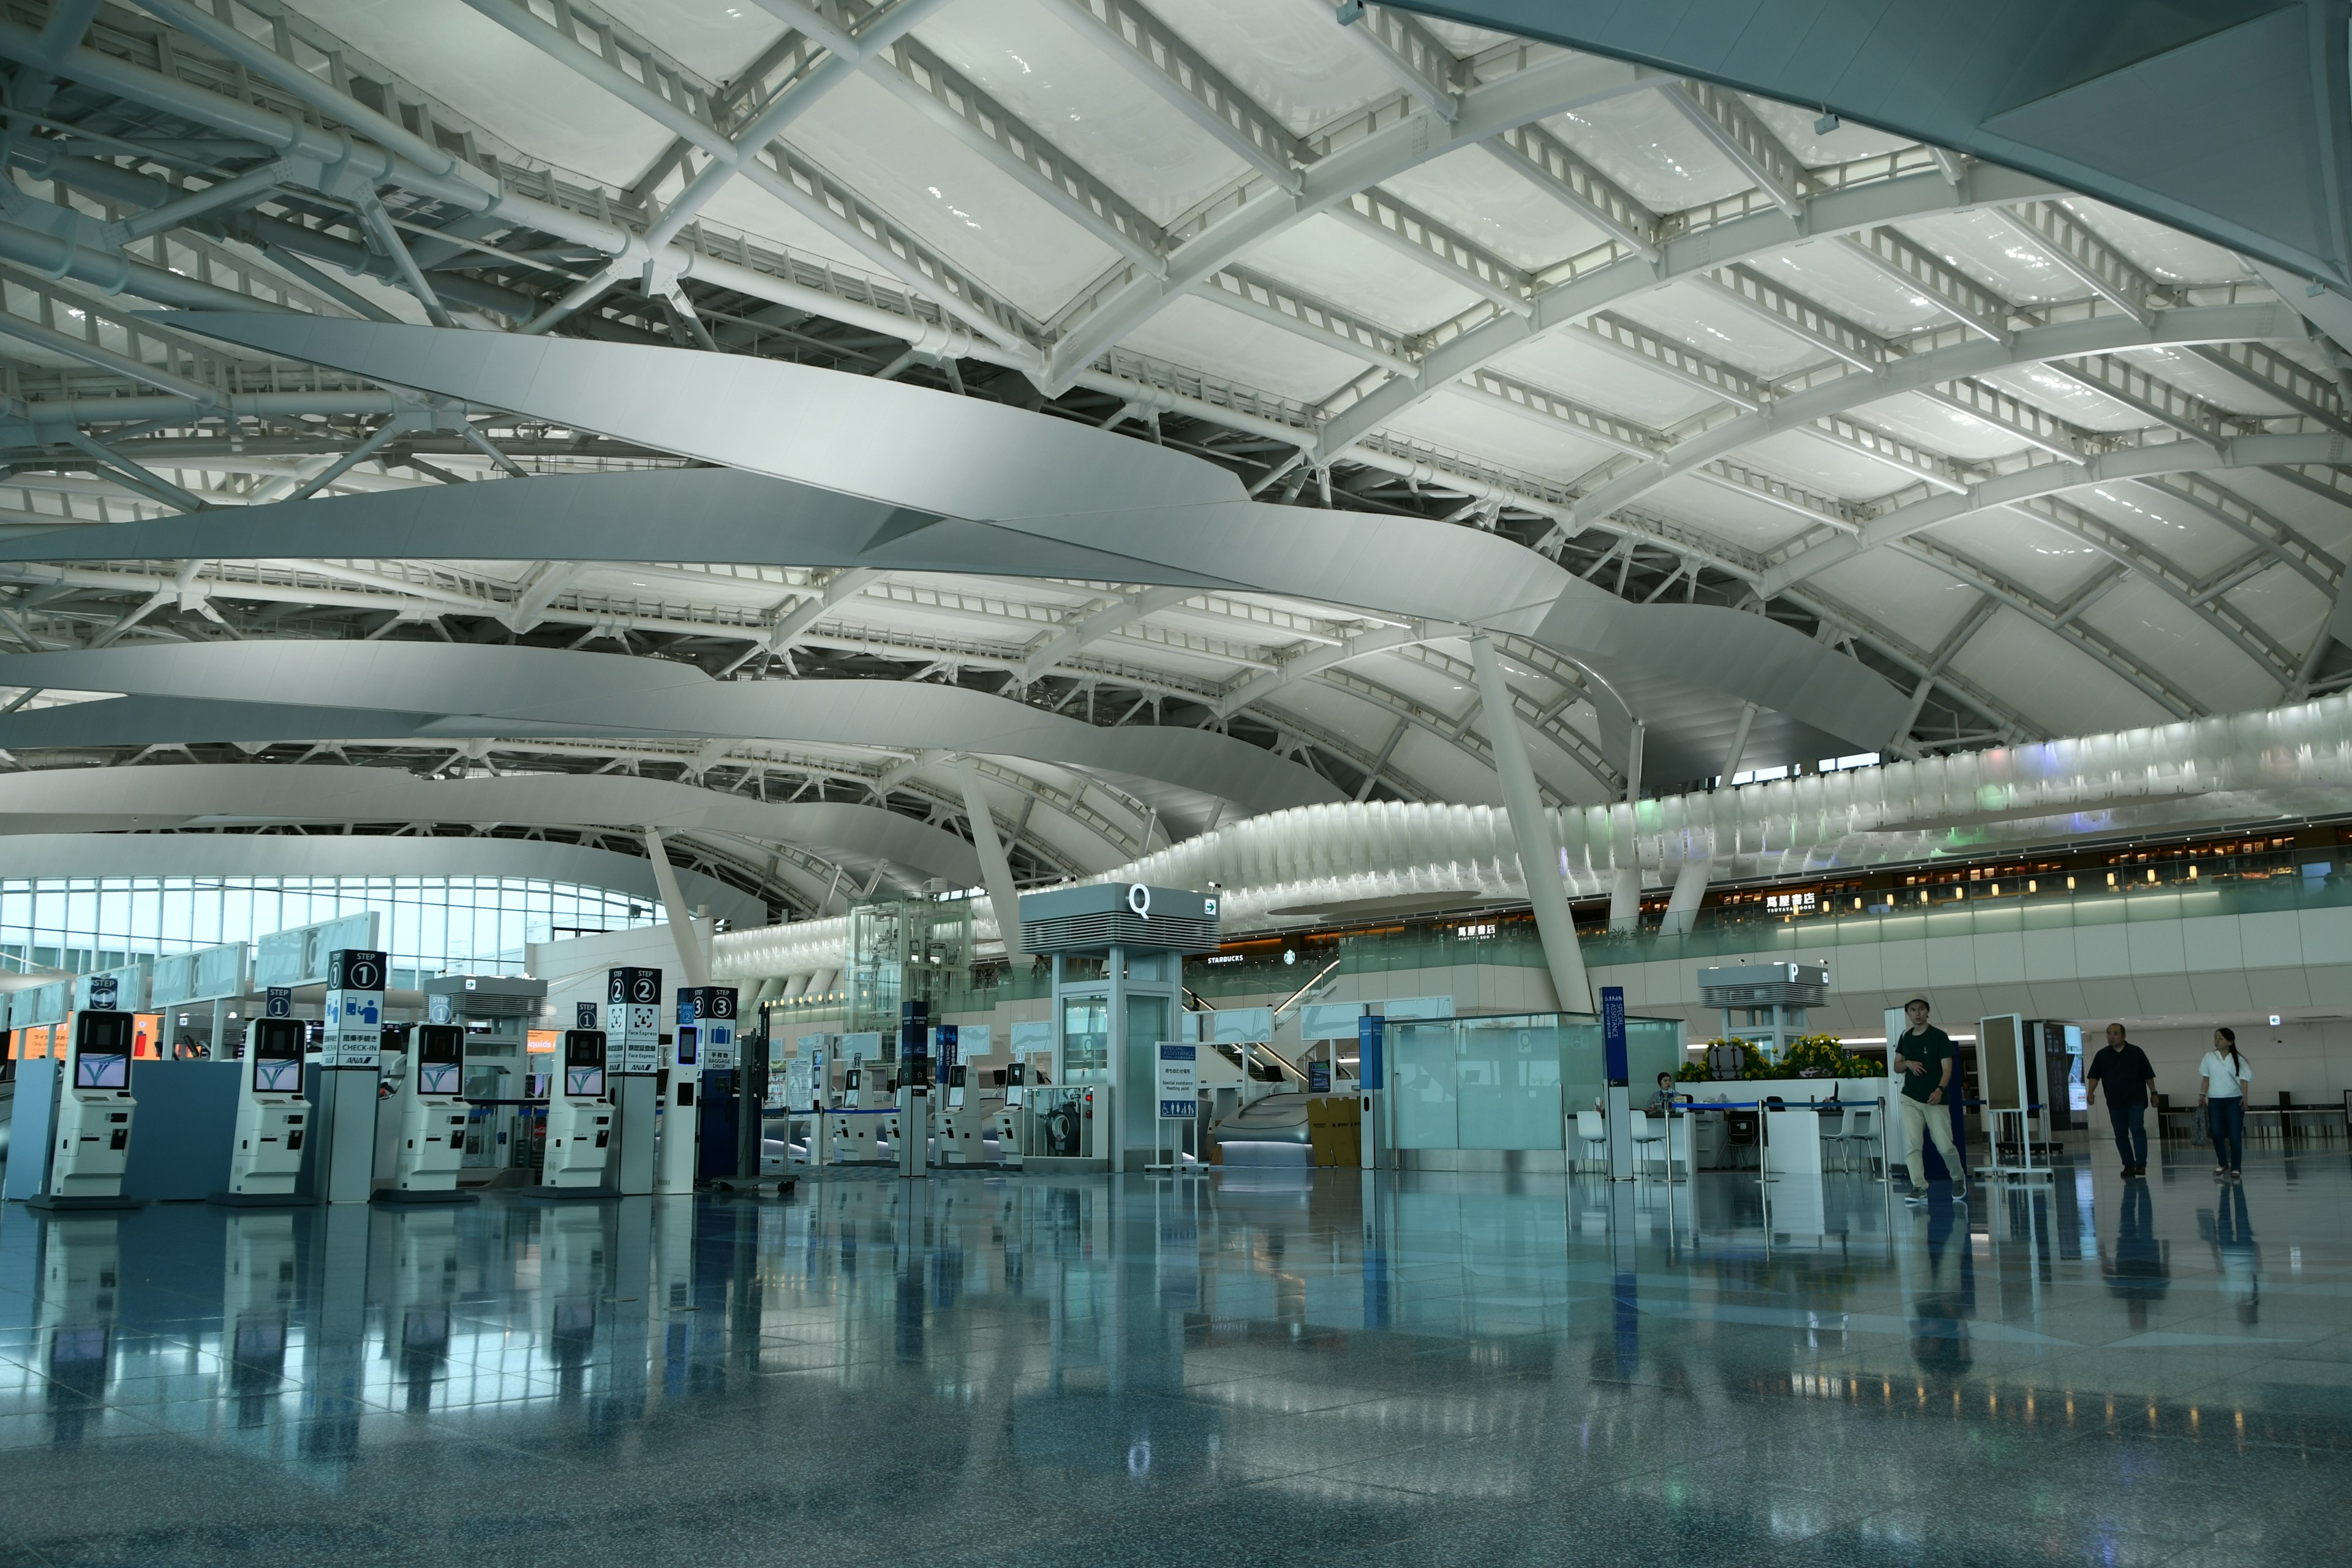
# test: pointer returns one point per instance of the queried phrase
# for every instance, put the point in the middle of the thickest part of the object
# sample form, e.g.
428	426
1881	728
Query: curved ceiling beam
353	691
1180	519
1978	356
364	855
90	800
2149	108
1686	255
2049	479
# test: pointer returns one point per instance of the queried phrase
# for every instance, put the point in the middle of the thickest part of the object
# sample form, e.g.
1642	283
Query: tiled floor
1267	1368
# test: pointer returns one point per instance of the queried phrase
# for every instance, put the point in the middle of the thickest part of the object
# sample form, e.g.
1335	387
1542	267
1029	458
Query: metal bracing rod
1408	53
379	224
399	424
1102	623
1946	651
153	485
91	354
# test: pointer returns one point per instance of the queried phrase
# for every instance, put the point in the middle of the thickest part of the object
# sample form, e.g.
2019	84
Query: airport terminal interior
1102	782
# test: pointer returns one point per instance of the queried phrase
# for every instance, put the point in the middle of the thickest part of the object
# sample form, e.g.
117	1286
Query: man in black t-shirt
2123	1070
1925	1062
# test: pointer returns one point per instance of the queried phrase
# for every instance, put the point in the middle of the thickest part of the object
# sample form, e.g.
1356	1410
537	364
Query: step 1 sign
1177	1082
355	1022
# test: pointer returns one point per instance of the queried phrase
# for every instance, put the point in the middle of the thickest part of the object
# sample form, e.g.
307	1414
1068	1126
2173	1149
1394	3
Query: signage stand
344	1169
1176	1090
633	1028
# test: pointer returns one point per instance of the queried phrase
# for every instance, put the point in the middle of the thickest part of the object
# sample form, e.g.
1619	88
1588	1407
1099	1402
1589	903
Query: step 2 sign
632	1018
1177	1082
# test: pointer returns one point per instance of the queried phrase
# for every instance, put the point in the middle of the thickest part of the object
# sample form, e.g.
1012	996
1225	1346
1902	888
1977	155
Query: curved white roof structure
1115	417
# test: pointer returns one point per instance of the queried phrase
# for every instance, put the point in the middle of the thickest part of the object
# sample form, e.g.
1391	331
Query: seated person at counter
1665	1101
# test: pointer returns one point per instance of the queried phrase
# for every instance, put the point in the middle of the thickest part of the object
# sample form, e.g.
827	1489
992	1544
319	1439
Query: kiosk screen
277	1048
102	1050
584	1063
440	1052
690	1045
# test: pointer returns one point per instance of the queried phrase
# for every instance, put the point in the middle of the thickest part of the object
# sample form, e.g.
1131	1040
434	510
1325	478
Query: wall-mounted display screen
440	1053
584	1063
102	1050
276	1048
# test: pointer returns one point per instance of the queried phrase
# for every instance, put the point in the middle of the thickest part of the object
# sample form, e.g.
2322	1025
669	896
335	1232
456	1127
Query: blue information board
1369	1063
1612	1033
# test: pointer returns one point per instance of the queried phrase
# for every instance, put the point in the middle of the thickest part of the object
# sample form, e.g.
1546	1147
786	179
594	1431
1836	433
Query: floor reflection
1446	1368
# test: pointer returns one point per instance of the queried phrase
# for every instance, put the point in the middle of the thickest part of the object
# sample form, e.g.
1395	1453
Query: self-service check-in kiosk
273	1116
681	1124
579	1119
92	1142
432	1119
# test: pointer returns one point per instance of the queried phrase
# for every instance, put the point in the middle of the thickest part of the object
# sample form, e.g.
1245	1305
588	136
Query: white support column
692	958
1531	828
995	869
1690	888
1625	886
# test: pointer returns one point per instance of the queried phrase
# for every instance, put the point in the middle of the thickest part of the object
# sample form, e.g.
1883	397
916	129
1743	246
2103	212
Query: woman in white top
2223	1098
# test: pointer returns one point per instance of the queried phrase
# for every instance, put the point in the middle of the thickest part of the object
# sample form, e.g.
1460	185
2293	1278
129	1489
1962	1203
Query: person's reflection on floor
1940	1311
2234	1253
2134	1268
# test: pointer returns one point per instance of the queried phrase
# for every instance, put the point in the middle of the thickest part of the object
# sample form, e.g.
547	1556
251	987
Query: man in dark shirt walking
1924	1060
2123	1070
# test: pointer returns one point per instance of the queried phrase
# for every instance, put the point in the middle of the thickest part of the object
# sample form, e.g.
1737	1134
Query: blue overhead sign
1612	1033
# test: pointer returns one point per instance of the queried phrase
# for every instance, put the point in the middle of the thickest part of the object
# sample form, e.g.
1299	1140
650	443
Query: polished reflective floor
1257	1368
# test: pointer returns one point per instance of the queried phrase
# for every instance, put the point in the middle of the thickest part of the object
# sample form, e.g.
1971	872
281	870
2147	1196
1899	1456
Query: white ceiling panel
2167	255
1325	257
1034	60
1847	142
2284	603
1650	148
1575	364
2324	522
1482	198
506	86
952	197
2194	655
717	40
2199	377
1461	421
1731	515
1938	428
2053	682
1833	276
2040	556
1230	345
1821	462
1284	54
1997	253
2069	399
2165	524
1708	320
1908	597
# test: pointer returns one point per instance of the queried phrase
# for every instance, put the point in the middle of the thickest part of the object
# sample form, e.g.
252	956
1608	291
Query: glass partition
1086	1039
1510	1082
1424	1097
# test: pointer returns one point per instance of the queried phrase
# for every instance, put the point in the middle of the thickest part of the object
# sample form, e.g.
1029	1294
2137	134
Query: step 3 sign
1177	1082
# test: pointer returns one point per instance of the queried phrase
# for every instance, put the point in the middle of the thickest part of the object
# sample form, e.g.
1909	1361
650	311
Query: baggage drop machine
273	1115
91	1144
579	1119
432	1120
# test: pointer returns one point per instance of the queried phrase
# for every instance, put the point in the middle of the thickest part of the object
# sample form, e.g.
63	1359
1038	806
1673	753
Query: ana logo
1138	899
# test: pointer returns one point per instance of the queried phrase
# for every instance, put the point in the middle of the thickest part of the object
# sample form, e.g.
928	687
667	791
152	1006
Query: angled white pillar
692	958
1531	830
1625	886
1690	882
995	869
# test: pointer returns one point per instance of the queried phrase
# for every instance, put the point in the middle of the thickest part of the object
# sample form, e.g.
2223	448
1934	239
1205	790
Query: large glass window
430	924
